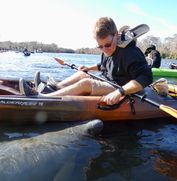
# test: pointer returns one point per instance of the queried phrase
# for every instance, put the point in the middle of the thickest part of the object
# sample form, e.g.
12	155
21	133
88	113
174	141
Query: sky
69	23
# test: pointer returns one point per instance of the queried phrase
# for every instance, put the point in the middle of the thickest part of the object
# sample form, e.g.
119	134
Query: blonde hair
103	27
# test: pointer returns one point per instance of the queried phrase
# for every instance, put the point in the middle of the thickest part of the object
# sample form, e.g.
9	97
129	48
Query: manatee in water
53	155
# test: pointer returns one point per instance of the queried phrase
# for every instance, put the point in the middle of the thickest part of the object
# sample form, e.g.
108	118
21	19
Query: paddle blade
169	110
60	61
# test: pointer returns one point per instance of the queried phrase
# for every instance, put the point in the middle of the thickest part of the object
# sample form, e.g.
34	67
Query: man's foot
51	82
42	87
37	79
25	89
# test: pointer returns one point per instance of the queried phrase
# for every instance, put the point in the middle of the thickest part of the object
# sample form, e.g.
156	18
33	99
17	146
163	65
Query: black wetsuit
126	64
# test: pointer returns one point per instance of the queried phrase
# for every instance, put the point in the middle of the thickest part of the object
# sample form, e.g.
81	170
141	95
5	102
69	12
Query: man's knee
82	75
86	84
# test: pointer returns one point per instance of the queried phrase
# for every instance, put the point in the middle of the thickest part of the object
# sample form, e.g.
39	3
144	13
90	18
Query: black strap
131	102
104	106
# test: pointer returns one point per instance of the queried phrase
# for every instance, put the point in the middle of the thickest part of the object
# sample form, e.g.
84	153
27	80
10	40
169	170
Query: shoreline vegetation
167	47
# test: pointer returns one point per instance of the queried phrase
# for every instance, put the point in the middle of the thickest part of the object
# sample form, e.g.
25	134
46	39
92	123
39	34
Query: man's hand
112	98
83	68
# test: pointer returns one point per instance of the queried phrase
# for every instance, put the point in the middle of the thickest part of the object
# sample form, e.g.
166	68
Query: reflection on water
128	152
166	163
124	151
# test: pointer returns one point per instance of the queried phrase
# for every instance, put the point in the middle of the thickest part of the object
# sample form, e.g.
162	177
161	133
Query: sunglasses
108	45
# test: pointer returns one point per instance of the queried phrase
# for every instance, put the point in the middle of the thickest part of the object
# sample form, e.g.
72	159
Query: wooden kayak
165	72
21	109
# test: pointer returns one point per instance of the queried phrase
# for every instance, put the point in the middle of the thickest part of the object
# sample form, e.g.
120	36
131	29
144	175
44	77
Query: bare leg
82	87
72	79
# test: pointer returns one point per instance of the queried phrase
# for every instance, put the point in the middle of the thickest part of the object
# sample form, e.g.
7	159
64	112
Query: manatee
53	155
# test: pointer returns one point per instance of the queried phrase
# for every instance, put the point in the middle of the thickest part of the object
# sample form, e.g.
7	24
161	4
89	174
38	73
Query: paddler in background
153	57
125	66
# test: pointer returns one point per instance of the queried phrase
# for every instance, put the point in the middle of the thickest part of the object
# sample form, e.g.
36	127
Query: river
124	151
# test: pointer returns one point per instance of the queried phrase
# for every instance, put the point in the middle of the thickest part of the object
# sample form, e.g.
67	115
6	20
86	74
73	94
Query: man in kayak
153	56
125	66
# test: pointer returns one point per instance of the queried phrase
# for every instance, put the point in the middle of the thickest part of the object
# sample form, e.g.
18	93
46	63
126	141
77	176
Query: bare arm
92	67
131	87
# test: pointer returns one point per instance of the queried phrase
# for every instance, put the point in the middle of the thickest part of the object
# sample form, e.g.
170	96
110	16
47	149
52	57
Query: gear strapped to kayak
172	90
162	87
127	35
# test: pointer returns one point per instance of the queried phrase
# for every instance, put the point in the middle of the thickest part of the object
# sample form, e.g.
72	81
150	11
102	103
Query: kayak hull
22	109
165	72
71	109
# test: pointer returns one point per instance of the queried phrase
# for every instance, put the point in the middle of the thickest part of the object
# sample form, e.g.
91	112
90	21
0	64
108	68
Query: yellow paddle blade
172	90
169	110
60	61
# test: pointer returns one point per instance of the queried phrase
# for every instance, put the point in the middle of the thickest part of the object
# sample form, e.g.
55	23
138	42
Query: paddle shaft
116	86
167	109
94	76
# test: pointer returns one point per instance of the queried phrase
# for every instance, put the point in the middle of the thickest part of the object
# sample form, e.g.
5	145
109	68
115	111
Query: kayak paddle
167	109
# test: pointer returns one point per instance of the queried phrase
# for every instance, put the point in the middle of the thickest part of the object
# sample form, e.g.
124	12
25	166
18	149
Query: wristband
122	91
